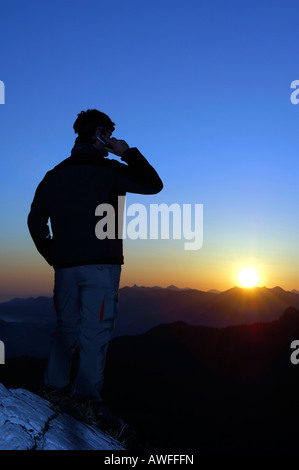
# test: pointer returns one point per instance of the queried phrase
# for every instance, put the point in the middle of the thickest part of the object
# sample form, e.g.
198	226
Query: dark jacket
69	195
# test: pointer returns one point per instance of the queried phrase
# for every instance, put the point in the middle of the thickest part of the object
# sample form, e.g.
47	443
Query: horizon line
170	287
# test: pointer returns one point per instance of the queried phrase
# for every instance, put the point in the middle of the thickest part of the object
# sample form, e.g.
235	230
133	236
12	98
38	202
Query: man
87	268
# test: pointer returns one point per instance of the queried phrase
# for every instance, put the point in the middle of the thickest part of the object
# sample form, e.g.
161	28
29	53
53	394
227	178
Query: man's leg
99	307
67	305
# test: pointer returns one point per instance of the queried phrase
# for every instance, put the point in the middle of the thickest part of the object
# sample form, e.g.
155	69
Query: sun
248	277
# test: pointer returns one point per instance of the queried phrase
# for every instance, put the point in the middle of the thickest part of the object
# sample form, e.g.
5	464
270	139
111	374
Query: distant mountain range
142	308
26	324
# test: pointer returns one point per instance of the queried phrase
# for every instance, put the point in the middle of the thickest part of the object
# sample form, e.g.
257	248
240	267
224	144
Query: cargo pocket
109	310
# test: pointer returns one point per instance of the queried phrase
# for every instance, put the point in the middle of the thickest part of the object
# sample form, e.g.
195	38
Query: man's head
92	123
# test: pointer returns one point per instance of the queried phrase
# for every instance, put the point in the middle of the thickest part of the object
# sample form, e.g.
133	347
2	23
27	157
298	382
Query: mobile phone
104	141
101	138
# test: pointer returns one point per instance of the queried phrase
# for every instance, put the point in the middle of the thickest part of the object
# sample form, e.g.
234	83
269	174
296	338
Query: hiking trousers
86	304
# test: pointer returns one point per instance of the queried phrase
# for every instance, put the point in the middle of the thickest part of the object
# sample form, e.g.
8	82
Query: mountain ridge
170	287
143	307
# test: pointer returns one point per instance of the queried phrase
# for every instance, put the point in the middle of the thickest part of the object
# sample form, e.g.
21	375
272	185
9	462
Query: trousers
86	304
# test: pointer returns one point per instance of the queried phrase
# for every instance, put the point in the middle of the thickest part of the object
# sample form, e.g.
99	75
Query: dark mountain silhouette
172	287
199	387
187	387
142	308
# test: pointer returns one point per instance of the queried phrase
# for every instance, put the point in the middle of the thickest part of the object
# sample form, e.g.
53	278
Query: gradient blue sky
201	88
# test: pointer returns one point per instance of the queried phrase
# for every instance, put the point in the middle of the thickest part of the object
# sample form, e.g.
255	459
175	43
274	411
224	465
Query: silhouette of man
87	269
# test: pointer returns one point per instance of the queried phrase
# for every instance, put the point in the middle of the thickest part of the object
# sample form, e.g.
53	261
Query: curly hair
87	122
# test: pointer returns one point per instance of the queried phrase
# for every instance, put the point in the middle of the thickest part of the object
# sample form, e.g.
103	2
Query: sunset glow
248	277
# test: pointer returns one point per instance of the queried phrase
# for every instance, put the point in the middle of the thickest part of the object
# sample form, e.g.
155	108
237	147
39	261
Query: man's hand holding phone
118	147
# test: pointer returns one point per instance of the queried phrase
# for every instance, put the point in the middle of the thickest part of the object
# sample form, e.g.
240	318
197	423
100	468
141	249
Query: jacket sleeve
138	176
38	220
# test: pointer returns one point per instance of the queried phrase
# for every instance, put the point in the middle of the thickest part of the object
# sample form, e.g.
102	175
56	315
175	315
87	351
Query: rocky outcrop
28	421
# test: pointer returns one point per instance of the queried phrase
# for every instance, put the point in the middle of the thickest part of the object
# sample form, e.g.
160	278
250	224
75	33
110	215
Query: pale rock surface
27	421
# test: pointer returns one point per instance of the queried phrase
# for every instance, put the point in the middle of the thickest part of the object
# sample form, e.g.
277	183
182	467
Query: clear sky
201	88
